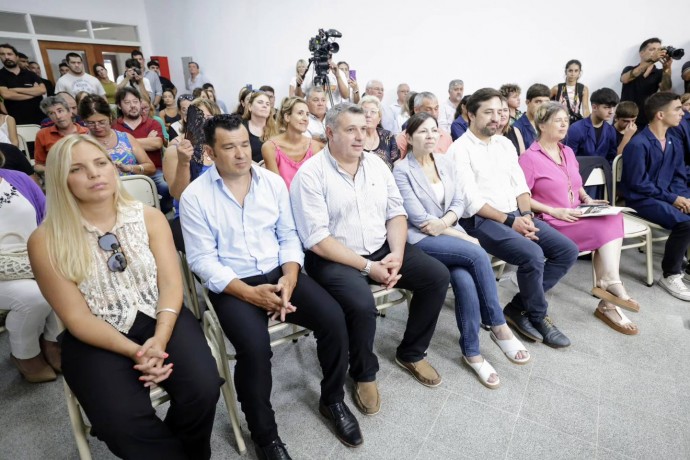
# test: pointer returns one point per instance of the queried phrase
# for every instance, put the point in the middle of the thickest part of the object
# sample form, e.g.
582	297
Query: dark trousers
541	264
119	406
425	276
246	326
676	247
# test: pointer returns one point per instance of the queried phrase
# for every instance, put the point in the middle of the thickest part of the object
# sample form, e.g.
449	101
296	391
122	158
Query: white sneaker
675	286
686	277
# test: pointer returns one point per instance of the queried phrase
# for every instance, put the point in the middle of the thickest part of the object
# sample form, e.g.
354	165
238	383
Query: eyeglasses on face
117	262
99	123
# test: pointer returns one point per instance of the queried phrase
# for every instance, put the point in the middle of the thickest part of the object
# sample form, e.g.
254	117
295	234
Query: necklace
563	167
107	139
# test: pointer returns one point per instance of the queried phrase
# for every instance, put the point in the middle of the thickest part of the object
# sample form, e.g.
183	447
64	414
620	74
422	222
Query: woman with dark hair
107	266
462	120
170	113
31	324
245	92
109	86
434	204
177	128
259	121
505	128
125	151
572	95
553	176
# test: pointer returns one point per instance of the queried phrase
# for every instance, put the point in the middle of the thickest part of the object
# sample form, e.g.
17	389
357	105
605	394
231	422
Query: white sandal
484	371
510	348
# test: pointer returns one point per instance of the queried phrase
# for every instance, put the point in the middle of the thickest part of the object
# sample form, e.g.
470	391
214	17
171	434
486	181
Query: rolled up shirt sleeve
394	207
309	207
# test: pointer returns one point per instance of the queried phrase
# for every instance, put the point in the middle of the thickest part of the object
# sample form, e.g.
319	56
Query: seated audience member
593	135
77	80
59	113
537	94
654	183
170	114
425	102
125	151
461	121
498	214
8	130
378	140
552	174
16	160
259	122
109	86
624	123
644	79
347	250
572	95
428	185
298	79
107	265
21	90
221	105
337	81
36	68
396	114
270	92
682	131
147	112
166	85
511	92
180	168
201	93
351	82
72	104
177	127
446	113
316	101
196	78
31	324
147	132
241	240
244	95
285	153
507	130
151	76
133	78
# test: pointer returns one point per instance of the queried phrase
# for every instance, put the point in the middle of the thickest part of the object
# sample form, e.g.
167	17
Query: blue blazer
583	140
419	198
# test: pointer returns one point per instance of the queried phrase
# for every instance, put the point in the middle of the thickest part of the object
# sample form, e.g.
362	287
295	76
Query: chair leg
594	271
650	263
79	427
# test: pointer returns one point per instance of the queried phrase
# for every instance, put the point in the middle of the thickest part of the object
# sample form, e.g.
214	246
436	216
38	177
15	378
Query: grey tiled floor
608	396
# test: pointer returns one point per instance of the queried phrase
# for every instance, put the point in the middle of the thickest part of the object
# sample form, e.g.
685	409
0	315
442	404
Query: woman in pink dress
285	153
552	174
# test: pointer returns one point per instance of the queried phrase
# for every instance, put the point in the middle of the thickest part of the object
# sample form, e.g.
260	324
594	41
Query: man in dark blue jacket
593	136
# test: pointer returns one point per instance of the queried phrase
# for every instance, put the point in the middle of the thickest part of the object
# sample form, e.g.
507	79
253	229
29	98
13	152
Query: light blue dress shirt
224	240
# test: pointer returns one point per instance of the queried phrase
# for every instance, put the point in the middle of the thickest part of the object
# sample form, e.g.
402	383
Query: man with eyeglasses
57	109
77	80
149	134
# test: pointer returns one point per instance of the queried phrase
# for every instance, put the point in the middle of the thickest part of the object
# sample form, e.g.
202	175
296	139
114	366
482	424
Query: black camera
675	53
322	49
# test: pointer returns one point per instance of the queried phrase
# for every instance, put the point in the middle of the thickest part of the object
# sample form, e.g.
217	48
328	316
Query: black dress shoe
274	451
344	422
552	336
519	320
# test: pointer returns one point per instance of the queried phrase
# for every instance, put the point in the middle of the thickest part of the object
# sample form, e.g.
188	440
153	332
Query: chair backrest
143	188
28	132
617	169
597	177
23	146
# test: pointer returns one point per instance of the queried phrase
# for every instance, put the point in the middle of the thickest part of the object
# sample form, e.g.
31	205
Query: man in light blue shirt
240	238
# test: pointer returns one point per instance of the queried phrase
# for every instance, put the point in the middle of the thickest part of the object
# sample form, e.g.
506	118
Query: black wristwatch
509	220
527	213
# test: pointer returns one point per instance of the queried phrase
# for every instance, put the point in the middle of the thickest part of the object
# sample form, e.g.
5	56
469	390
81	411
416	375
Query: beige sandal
615	293
619	326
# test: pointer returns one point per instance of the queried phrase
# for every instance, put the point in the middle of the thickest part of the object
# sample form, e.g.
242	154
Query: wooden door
111	56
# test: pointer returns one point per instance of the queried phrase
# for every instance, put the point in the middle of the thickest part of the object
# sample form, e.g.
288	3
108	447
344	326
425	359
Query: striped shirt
327	201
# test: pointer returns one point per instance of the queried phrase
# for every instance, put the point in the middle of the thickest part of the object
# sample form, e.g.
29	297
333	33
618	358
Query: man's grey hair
313	89
454	83
371	83
334	114
420	97
51	101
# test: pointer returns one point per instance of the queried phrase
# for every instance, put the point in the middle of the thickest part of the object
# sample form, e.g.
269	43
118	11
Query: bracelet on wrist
168	310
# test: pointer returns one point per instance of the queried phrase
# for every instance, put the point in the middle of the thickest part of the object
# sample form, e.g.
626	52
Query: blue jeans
163	190
541	264
474	286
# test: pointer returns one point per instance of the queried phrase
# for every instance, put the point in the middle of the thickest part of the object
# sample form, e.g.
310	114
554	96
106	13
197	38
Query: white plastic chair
28	132
143	188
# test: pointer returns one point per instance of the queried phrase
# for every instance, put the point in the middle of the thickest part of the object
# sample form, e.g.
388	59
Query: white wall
423	43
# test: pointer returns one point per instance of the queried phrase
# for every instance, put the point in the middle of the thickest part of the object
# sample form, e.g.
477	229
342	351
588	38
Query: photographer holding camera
133	77
645	79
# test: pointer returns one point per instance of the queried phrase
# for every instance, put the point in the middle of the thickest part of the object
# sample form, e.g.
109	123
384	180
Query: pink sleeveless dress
288	167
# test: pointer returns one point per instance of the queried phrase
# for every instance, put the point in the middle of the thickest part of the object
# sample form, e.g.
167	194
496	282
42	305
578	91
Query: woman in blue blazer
434	202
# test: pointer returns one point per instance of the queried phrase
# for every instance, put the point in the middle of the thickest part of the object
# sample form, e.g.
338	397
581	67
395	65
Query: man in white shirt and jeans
498	214
351	220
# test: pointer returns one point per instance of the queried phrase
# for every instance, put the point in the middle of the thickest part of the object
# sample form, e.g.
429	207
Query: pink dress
551	183
287	168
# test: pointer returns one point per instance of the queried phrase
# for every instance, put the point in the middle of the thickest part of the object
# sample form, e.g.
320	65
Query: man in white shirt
456	89
316	102
196	78
240	239
394	115
498	214
351	220
76	80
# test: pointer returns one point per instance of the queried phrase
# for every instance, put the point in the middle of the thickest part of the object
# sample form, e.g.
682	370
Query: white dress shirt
488	172
224	240
327	201
316	128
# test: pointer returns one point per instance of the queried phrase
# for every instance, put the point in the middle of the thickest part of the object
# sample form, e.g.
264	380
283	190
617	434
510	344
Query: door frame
93	52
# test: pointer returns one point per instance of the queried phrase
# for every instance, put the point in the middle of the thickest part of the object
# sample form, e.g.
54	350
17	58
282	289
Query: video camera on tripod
322	49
